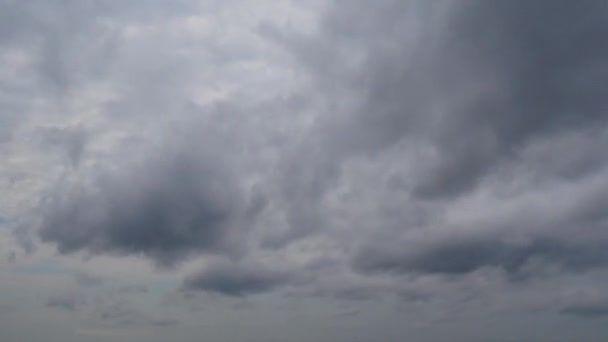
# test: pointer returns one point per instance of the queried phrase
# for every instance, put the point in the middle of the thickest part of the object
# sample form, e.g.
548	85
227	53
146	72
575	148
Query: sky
323	170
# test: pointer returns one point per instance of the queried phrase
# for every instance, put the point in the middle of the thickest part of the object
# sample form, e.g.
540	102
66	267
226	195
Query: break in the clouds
440	163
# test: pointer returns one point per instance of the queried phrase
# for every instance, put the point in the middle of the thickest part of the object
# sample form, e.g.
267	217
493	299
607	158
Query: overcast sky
282	170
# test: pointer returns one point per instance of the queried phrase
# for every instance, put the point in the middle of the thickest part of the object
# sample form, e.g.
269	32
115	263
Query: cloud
7	309
88	280
562	227
165	208
476	81
597	309
69	302
70	140
461	257
464	94
236	280
432	152
121	314
165	322
133	289
11	257
455	95
455	98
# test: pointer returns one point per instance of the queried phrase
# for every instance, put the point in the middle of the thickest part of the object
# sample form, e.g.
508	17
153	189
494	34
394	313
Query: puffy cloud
166	208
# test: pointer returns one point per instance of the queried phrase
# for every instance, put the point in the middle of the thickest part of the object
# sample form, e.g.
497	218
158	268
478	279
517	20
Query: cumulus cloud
163	209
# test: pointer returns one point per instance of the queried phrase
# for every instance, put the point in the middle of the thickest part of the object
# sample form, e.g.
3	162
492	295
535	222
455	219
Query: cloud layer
442	155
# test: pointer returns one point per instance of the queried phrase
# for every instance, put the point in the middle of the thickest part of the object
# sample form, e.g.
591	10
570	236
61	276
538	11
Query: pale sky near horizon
324	170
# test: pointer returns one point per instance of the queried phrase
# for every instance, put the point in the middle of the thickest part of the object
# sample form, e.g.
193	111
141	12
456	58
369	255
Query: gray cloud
71	141
236	280
133	289
88	280
165	208
473	88
11	257
457	91
122	314
433	152
589	309
476	80
69	302
459	257
5	309
549	228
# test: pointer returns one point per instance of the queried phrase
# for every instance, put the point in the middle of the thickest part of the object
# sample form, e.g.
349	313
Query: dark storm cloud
170	205
543	63
165	208
236	280
486	93
471	88
477	80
